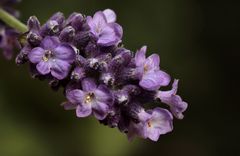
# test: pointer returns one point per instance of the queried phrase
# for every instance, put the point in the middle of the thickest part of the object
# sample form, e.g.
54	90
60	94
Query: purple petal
154	80
177	105
162	120
97	23
65	52
76	96
107	37
154	135
160	123
43	67
83	110
50	43
118	31
144	116
75	20
88	85
100	110
140	56
164	78
60	69
36	55
110	15
165	96
102	94
58	17
152	62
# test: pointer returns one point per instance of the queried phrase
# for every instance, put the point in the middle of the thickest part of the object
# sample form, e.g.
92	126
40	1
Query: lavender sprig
100	77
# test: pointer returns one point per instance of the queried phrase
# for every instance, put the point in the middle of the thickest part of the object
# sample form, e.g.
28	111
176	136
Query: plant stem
12	21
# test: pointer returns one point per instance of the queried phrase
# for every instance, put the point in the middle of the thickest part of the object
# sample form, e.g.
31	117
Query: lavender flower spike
102	25
100	77
177	105
53	57
151	77
91	99
153	123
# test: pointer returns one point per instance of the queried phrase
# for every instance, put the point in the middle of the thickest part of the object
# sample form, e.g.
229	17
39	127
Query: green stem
12	21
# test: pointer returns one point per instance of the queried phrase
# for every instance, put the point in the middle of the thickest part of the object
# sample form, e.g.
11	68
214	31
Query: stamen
48	54
45	59
89	98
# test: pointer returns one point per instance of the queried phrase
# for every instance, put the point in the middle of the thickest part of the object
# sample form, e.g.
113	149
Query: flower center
89	97
48	54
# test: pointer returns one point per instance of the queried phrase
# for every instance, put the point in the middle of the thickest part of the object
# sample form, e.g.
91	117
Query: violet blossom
91	99
177	105
53	57
151	77
153	123
102	25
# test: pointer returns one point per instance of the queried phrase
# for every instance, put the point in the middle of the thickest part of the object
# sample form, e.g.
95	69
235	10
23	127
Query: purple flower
177	105
91	99
151	77
153	123
102	25
53	57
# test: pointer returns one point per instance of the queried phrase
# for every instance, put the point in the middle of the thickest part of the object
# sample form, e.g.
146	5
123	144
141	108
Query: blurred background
199	43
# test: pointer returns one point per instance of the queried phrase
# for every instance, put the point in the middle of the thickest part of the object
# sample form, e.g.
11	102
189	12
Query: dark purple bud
75	20
130	74
34	38
50	28
81	61
67	34
33	24
22	57
100	62
121	59
81	39
93	63
122	97
112	119
58	17
78	74
132	90
108	79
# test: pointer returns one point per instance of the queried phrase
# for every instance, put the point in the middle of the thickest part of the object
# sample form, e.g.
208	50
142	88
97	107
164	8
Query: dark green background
198	42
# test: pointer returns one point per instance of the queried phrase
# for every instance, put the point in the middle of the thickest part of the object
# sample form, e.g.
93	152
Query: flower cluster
100	77
8	36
